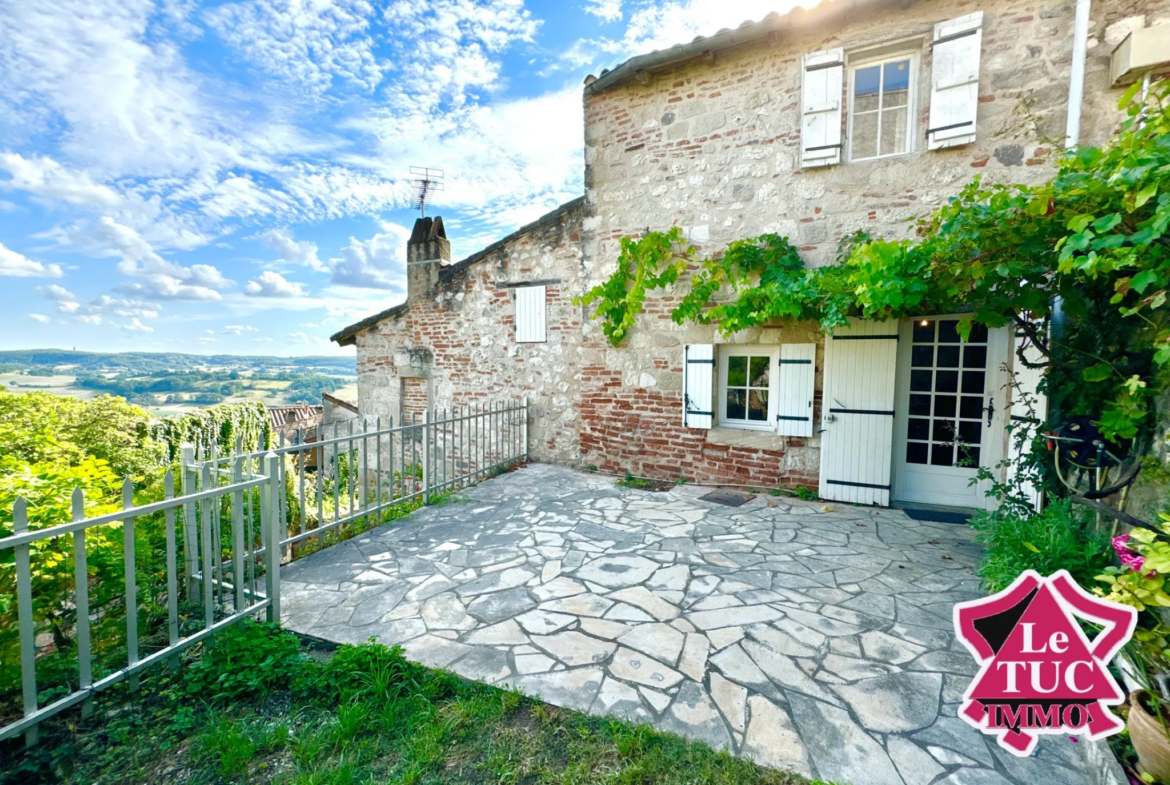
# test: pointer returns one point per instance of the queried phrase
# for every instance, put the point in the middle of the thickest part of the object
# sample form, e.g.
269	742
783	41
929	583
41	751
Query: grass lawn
260	706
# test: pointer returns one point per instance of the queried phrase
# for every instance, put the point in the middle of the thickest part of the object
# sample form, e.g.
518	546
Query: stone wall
452	343
713	146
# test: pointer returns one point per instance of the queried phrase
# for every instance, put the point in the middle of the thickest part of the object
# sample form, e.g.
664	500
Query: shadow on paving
808	637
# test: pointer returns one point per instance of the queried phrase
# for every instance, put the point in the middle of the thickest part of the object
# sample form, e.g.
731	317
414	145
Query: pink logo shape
1039	672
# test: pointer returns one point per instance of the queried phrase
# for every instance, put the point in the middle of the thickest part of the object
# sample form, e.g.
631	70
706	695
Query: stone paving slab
809	637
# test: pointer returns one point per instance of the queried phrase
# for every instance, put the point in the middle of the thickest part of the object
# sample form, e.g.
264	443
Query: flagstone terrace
807	636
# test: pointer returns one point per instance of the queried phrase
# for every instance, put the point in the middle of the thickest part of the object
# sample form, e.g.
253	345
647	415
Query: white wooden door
951	411
857	413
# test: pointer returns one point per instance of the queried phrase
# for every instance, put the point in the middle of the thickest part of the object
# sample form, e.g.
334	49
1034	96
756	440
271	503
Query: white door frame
994	444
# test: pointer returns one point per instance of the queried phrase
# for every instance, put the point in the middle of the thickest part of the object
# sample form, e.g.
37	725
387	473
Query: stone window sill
743	437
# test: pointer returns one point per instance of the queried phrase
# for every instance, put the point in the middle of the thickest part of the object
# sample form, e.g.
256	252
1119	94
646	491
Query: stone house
857	114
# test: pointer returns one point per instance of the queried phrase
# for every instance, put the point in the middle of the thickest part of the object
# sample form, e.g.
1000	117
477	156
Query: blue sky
233	177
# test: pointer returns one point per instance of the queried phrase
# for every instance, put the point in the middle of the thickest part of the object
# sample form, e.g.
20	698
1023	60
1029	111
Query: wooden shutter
857	413
820	138
954	94
1024	417
530	326
698	386
794	404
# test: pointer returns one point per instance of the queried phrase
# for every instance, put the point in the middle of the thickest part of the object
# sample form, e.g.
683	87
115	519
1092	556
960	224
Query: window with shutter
820	139
881	106
698	377
747	386
797	384
530	318
954	96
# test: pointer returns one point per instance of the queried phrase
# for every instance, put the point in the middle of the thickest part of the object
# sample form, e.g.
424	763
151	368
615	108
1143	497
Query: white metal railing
201	542
231	507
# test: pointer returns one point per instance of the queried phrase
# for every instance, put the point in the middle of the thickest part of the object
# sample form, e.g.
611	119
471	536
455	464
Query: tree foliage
1080	264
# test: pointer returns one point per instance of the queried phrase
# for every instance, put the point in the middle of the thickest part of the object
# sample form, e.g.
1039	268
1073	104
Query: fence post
426	467
524	427
24	612
190	532
130	565
272	552
81	589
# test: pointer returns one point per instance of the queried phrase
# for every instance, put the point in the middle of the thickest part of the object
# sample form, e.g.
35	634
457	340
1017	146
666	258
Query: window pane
944	406
948	357
916	453
971	432
737	371
973	382
760	367
947	381
865	88
758	405
971	408
975	357
896	77
924	333
948	331
968	456
942	455
922	356
920	404
920	381
894	139
944	431
918	429
865	130
736	409
978	333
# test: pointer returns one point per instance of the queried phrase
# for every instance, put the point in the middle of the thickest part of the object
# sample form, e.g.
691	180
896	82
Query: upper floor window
881	115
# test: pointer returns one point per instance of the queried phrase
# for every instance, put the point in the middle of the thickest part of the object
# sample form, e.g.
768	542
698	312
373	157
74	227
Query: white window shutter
794	404
954	94
530	320
698	385
1028	410
820	137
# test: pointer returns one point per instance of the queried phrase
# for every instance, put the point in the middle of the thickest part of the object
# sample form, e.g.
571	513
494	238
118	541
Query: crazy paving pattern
809	637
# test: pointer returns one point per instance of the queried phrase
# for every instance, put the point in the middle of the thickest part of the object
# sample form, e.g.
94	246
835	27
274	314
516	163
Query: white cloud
377	263
40	317
161	278
45	177
238	329
661	25
606	10
91	318
15	265
302	252
273	284
311	43
136	326
55	292
68	306
204	339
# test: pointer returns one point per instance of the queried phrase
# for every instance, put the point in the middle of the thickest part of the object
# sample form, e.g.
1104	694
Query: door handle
830	418
990	410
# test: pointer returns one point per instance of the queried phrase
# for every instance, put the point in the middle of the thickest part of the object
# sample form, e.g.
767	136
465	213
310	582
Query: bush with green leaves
1062	537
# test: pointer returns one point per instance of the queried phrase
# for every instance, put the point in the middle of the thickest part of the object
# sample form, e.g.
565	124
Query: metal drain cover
729	498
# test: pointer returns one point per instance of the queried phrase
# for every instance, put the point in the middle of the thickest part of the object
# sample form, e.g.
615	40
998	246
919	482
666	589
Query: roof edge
744	35
347	336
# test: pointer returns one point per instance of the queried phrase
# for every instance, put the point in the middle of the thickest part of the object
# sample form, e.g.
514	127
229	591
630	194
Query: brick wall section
414	399
460	336
714	147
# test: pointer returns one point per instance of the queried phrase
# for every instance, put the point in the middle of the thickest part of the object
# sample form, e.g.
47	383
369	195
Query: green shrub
1062	537
246	660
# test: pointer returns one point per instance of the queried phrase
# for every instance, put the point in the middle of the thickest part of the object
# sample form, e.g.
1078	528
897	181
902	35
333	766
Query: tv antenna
425	181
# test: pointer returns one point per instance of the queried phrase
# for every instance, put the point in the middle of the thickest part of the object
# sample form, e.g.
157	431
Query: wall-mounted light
925	323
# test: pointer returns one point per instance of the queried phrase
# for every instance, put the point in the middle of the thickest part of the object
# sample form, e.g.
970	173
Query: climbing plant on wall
218	425
1093	239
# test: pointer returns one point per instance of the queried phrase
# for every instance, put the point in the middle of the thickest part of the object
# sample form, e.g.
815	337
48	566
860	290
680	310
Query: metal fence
302	495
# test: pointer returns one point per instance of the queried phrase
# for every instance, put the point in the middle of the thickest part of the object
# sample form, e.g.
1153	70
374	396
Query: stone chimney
427	250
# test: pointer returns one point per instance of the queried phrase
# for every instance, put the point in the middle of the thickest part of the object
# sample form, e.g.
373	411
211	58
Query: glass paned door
948	414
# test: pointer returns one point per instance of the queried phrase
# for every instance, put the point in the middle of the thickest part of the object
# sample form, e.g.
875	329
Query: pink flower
1129	557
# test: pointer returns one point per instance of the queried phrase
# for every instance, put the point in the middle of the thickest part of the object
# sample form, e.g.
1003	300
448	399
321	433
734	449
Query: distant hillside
135	363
